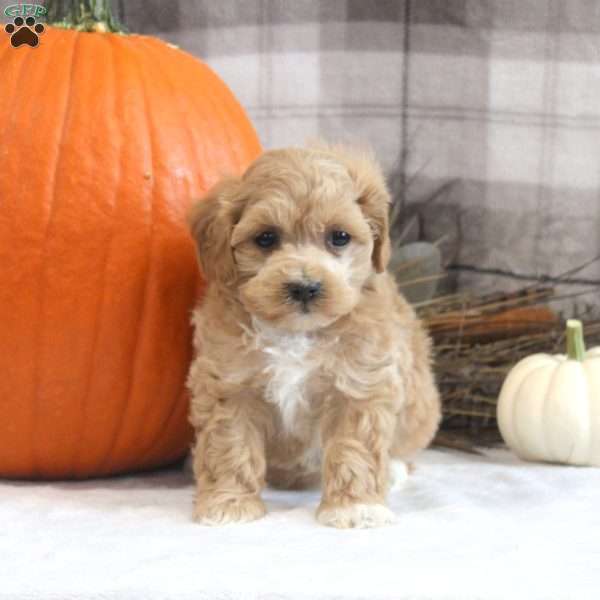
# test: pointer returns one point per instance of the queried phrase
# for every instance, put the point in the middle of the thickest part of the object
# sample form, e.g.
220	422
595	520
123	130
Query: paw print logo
24	31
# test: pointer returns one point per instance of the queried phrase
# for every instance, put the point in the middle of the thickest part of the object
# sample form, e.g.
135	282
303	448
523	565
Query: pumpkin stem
84	15
575	343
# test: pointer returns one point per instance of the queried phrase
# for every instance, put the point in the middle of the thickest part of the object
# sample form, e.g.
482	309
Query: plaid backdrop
485	114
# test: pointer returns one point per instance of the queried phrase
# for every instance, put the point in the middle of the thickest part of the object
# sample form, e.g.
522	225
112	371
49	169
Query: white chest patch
287	367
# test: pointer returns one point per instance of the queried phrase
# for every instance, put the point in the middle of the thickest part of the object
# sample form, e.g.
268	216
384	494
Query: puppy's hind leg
419	419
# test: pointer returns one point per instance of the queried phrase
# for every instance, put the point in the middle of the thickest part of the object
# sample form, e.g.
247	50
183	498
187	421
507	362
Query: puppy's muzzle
304	292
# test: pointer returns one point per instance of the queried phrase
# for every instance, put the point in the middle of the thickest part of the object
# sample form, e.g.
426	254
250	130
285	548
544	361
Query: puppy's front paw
360	516
211	510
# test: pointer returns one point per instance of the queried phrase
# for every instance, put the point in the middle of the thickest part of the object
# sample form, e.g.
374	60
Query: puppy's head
297	237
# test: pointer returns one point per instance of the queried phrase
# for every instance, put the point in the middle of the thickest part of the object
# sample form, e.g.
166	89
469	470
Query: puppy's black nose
304	292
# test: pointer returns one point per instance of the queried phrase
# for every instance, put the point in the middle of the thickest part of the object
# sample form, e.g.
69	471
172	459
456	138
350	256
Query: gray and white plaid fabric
499	100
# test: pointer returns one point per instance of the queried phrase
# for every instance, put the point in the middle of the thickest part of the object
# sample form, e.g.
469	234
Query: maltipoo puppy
310	365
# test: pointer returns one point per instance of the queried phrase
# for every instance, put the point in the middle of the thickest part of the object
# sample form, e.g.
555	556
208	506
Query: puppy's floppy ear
211	221
374	201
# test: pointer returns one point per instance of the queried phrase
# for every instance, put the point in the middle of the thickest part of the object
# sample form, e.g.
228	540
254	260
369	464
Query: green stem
84	15
575	343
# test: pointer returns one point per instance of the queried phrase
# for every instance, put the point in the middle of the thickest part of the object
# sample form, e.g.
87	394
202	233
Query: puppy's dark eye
339	238
266	239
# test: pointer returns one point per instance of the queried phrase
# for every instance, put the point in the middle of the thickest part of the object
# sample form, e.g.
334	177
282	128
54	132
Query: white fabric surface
469	527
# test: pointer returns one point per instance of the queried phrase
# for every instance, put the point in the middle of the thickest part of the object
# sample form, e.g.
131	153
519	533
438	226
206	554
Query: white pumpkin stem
575	343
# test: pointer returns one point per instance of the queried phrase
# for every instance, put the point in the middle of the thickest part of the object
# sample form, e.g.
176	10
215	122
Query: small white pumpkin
549	406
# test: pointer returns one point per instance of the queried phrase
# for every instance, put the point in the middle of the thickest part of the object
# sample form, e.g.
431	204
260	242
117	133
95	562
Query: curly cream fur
290	396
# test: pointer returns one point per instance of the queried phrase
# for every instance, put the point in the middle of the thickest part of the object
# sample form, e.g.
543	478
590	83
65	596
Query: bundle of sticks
477	340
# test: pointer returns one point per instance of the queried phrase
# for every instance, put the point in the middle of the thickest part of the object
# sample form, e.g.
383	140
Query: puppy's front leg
229	462
356	438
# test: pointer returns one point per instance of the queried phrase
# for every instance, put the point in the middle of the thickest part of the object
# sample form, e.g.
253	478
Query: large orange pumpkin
104	141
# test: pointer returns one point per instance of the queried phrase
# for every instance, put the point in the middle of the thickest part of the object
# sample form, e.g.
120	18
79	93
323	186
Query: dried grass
477	340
